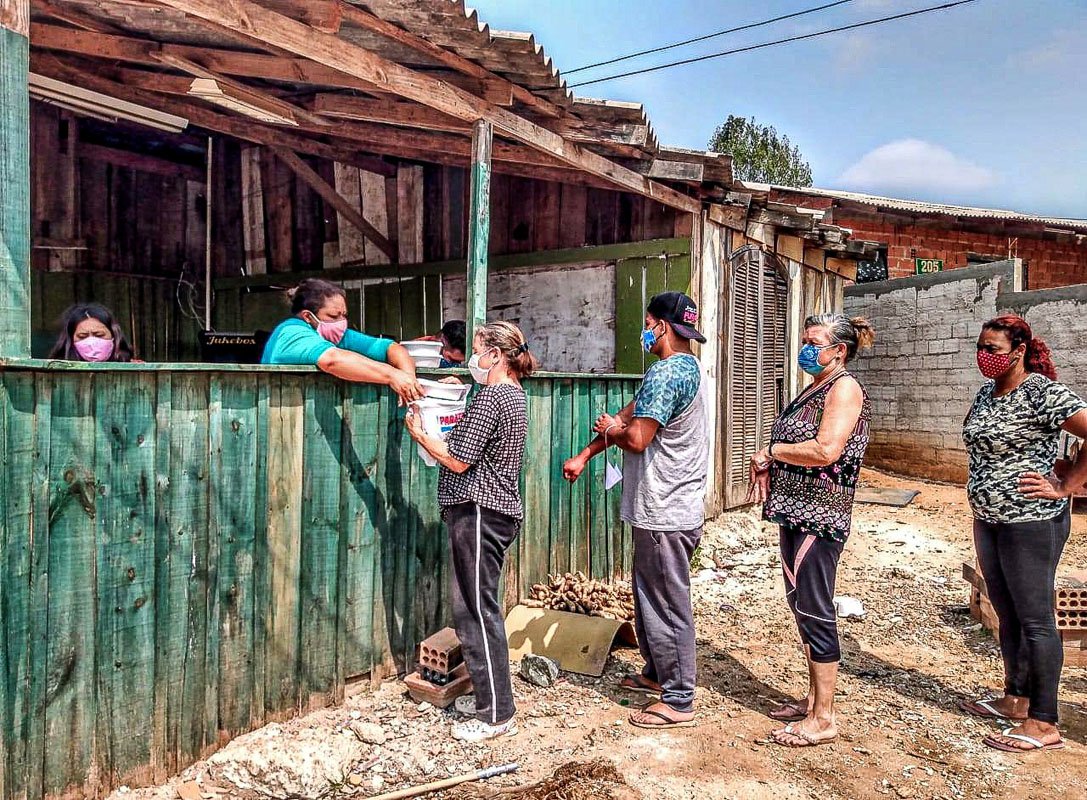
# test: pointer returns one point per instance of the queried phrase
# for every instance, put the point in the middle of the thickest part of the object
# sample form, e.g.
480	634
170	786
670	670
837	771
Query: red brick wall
1050	260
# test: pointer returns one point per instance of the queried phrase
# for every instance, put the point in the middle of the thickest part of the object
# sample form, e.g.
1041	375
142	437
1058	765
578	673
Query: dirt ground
905	666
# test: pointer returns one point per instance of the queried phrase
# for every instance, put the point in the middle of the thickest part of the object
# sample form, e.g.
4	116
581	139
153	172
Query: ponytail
1039	357
510	341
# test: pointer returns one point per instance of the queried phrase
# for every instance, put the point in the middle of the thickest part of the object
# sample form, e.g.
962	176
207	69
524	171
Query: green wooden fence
188	553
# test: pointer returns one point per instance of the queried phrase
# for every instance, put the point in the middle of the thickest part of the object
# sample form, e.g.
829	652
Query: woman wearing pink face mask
1021	521
89	332
318	335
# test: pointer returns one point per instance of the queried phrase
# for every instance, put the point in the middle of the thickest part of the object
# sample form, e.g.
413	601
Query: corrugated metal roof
921	207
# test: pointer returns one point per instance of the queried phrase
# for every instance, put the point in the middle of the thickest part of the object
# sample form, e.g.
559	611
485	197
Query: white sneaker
475	730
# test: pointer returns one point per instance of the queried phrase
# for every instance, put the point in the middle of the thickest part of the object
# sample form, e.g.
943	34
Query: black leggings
1019	563
810	565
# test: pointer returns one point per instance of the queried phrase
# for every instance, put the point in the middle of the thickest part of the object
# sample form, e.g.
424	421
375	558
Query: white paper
612	475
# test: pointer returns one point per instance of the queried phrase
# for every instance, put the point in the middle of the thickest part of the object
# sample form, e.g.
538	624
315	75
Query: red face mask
993	365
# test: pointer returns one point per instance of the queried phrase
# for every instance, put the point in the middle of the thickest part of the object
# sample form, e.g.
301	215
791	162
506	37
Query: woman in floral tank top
806	479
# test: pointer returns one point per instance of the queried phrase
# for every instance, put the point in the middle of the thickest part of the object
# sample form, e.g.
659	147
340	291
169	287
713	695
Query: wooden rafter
333	198
282	107
387	111
245	129
130	49
281	32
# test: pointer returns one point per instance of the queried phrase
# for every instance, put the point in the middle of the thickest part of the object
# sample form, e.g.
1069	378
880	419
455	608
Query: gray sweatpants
663	617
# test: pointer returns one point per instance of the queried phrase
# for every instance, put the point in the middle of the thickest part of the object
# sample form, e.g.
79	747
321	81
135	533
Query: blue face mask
809	358
649	339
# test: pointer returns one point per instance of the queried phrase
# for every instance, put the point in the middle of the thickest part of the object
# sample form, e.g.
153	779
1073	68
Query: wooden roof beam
228	62
388	111
323	15
278	31
371	22
333	198
240	128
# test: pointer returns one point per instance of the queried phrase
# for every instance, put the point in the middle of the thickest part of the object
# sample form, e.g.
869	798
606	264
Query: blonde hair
510	341
854	333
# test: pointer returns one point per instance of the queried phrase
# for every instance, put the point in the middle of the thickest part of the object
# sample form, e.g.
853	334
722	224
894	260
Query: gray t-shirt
664	487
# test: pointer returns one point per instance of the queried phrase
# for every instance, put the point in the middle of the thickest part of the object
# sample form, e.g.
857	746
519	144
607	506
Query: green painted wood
234	520
601	558
320	677
537	485
562	447
125	576
615	400
539	258
479	226
22	483
285	467
359	506
280	531
15	186
215	483
70	692
170	628
580	523
188	564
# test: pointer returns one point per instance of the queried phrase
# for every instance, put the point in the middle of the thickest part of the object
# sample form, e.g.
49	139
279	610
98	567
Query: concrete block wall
921	374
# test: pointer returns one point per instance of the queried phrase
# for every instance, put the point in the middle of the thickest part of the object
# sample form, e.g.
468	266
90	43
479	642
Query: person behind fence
452	336
663	434
1022	521
806	478
479	493
317	334
90	332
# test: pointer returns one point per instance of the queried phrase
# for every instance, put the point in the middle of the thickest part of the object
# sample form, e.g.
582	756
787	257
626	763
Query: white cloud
916	165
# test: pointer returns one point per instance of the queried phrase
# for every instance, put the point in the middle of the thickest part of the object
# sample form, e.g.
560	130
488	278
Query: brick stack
1070	608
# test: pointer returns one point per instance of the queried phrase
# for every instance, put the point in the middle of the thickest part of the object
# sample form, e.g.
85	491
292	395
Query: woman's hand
413	421
759	489
605	421
761	461
451	379
1037	486
407	388
574	466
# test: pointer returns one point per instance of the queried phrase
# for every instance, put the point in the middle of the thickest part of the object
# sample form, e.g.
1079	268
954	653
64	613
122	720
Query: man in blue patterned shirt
664	438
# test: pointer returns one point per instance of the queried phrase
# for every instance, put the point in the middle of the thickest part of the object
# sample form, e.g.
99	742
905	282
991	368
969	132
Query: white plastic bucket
439	417
424	353
437	390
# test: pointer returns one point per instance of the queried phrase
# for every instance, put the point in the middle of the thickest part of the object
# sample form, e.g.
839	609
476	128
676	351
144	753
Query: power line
777	42
708	36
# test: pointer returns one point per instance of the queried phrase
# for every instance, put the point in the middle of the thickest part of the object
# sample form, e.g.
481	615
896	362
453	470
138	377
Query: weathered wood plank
125	571
70	697
409	214
536	495
285	466
15	186
562	400
601	558
580	520
320	672
234	521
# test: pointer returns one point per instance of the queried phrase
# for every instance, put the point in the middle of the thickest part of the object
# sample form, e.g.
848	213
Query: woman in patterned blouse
1021	521
807	476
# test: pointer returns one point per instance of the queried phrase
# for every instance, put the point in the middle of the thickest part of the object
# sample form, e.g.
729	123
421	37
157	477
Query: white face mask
479	374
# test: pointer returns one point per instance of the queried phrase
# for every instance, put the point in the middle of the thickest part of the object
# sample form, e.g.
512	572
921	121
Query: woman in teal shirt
317	334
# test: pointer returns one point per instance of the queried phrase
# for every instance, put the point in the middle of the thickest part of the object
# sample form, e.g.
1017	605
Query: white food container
424	353
437	390
438	416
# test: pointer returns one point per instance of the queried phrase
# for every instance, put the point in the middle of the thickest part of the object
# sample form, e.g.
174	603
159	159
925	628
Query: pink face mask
94	348
332	331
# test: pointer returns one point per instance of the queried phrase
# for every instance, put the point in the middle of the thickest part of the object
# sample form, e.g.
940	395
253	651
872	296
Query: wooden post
15	180
479	227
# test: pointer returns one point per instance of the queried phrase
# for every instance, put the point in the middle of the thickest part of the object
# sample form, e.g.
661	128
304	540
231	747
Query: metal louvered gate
754	363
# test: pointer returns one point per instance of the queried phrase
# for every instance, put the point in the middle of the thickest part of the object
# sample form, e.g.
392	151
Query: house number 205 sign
927	265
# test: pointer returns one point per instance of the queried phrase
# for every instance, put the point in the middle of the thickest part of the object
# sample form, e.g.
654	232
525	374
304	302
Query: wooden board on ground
578	643
877	496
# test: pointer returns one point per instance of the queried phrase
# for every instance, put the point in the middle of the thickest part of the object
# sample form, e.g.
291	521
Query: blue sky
984	104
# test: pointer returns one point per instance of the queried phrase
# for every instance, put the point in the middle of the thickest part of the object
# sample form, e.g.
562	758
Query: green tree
759	153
